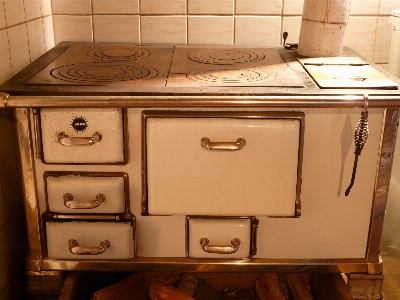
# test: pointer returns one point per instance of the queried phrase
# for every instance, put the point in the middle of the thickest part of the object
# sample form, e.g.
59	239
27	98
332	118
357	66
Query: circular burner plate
228	76
103	73
225	56
119	53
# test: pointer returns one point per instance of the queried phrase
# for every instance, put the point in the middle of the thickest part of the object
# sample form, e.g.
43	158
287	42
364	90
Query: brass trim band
297	101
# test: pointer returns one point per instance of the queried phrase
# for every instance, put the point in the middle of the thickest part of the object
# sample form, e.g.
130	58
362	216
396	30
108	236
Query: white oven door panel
82	194
99	131
89	235
220	233
259	179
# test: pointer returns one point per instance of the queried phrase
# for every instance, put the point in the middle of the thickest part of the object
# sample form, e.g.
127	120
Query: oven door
231	164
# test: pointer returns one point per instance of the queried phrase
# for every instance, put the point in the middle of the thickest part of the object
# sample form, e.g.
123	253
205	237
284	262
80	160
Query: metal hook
365	103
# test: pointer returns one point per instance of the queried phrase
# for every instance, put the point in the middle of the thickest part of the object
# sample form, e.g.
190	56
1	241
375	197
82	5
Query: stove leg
365	286
45	283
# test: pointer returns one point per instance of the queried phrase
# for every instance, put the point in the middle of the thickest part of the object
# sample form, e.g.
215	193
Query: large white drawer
258	176
86	192
82	135
103	240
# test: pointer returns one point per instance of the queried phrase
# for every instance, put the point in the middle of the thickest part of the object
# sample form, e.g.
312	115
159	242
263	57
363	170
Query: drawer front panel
85	194
89	236
209	238
260	178
82	135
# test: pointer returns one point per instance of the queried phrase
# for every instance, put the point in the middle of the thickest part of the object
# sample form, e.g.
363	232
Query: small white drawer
82	135
86	193
221	237
214	164
90	240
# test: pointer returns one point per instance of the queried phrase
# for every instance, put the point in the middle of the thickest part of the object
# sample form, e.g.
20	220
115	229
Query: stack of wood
208	286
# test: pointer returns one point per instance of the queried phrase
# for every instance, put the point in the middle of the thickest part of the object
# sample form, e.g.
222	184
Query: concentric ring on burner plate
103	73
225	56
119	53
229	76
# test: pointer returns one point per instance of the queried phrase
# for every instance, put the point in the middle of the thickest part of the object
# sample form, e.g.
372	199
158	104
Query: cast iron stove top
91	64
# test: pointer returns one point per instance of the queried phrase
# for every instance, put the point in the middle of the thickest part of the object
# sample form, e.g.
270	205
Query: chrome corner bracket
4	98
375	266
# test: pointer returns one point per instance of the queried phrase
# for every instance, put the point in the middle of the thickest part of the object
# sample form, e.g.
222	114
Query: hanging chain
360	137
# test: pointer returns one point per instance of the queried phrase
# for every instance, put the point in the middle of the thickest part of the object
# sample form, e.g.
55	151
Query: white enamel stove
157	157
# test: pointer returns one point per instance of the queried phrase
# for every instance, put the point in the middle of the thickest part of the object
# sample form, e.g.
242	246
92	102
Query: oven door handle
220	249
73	204
74	249
65	140
224	146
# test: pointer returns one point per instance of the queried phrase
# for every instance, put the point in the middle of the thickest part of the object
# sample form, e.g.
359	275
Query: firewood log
267	287
297	289
135	286
187	284
160	290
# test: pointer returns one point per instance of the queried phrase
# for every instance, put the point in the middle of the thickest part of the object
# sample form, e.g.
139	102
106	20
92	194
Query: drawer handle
65	140
74	249
220	249
70	203
226	146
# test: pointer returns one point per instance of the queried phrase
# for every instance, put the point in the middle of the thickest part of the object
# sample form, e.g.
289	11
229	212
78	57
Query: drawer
221	237
82	135
86	192
90	240
223	164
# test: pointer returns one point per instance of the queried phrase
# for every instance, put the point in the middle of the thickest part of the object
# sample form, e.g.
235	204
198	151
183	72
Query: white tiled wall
30	27
26	32
241	22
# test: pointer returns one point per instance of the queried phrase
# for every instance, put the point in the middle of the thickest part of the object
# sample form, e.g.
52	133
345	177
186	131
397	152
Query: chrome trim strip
381	191
294	101
37	133
252	265
31	202
253	236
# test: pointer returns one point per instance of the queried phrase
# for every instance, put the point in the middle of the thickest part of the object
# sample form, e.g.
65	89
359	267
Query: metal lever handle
65	140
227	146
70	203
220	249
74	249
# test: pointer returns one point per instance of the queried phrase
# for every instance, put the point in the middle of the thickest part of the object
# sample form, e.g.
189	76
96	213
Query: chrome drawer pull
227	146
70	203
74	249
65	140
220	249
